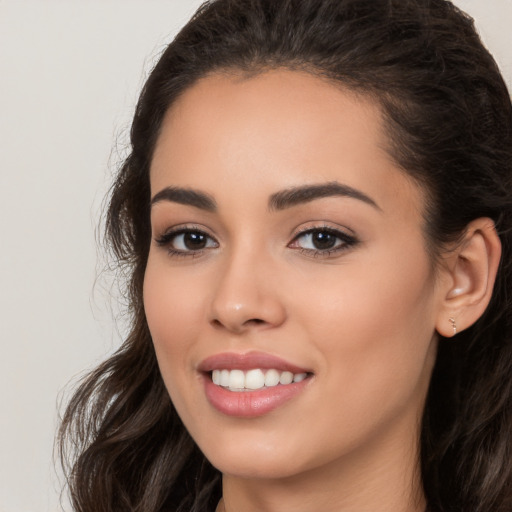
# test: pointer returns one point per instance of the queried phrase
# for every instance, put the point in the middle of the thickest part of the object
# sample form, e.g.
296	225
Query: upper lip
248	361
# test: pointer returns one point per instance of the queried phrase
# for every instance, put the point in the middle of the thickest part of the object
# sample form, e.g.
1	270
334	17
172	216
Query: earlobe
472	267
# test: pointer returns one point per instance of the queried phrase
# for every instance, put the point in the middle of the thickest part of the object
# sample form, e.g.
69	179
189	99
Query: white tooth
224	378
254	379
216	377
286	378
271	378
236	379
299	377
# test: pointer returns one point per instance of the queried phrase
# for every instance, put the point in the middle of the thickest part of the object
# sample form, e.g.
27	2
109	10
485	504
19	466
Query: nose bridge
245	294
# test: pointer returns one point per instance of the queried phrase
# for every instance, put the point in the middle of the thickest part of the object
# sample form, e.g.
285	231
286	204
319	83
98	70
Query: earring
454	325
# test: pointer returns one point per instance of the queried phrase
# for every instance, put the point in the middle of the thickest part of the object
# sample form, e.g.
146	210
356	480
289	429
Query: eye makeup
322	241
317	241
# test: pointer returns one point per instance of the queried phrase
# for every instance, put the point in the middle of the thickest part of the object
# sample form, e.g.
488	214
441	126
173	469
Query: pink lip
249	404
247	361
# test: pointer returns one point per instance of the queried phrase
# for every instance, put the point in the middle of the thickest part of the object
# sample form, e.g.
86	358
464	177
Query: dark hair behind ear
449	121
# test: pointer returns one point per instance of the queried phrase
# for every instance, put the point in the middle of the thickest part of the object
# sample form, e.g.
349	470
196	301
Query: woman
316	215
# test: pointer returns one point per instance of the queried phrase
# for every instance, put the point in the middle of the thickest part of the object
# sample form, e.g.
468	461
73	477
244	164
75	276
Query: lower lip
250	404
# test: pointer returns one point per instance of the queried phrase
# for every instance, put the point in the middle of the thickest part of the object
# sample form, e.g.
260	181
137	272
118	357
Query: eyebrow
304	194
186	196
278	201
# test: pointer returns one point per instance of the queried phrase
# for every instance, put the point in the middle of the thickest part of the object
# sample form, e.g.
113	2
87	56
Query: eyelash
344	241
167	239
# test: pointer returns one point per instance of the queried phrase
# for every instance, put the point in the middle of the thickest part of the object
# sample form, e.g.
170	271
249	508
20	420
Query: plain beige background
70	71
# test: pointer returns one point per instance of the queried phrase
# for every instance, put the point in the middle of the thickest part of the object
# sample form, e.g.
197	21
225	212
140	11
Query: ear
469	271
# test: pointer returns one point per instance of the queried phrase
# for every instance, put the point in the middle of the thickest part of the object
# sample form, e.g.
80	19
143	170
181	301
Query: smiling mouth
253	384
254	379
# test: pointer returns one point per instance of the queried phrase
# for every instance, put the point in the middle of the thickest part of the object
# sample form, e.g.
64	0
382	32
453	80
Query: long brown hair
449	120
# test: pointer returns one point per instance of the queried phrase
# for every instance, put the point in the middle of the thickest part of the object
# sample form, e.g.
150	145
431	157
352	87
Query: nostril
216	323
252	322
255	321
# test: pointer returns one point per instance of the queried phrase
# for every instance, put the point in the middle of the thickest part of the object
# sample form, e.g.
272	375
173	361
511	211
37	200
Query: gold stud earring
454	325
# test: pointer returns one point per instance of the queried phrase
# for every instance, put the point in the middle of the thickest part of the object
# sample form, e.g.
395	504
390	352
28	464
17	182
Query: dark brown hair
449	120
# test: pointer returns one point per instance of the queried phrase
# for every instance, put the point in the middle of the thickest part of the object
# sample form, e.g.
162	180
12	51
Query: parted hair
448	122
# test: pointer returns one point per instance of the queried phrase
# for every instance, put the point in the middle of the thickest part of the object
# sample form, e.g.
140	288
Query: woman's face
288	246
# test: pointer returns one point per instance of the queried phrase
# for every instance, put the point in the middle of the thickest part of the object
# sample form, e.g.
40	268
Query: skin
361	319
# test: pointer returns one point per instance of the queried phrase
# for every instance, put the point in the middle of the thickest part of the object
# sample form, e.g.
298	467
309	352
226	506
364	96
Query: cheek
373	321
174	312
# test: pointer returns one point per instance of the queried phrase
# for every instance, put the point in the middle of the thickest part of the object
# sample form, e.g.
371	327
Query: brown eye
194	240
319	240
322	241
186	241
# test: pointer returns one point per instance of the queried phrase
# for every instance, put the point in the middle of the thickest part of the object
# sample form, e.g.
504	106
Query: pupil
194	241
323	240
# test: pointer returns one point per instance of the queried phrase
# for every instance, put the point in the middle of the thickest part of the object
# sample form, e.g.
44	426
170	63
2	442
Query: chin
249	469
249	456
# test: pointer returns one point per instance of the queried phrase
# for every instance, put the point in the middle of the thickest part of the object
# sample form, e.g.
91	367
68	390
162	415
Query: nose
246	295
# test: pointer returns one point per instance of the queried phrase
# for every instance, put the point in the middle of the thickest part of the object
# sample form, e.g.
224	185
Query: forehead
277	129
279	108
